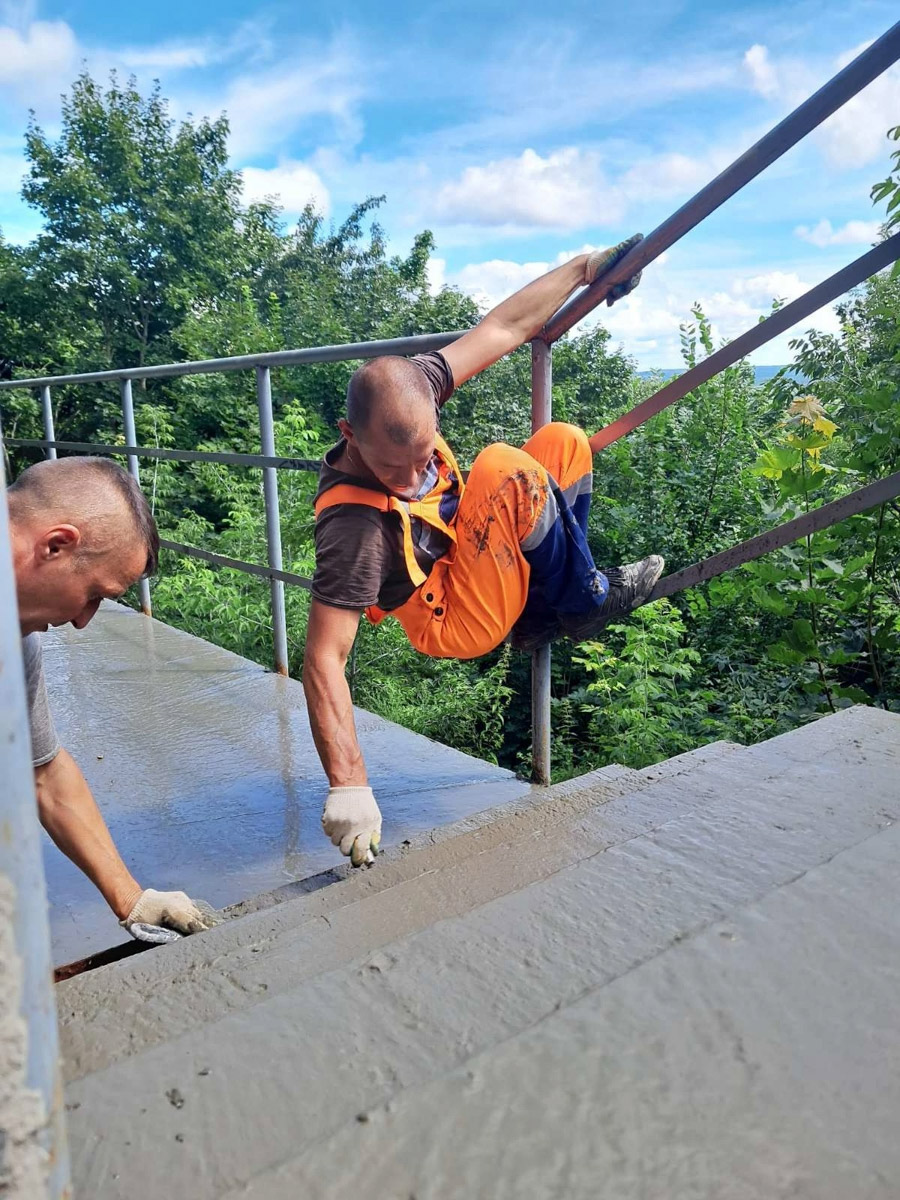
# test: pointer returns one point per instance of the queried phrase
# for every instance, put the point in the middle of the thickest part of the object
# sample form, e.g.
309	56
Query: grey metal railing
866	67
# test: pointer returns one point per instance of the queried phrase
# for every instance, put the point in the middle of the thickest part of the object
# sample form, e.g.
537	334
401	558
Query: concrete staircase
679	982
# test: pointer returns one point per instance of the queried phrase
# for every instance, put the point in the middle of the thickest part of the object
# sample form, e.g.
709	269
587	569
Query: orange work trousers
475	595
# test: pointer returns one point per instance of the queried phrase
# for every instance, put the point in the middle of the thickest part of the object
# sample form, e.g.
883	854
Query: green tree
142	220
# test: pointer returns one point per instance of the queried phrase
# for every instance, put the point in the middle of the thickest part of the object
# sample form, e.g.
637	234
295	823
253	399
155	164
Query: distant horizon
761	371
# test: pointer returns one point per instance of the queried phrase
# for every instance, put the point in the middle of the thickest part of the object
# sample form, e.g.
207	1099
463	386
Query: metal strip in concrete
204	767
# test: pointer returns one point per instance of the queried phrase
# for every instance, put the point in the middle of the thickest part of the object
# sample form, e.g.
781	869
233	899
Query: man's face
57	585
398	468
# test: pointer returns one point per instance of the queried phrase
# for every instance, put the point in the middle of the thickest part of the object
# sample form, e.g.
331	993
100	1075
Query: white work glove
352	820
172	910
602	261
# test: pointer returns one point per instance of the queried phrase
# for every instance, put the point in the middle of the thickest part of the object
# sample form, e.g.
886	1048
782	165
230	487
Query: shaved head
393	394
96	496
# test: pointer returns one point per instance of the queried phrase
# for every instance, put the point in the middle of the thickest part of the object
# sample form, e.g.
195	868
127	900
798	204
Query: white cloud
168	56
264	108
293	184
667	176
565	190
763	76
855	135
41	57
436	274
854	233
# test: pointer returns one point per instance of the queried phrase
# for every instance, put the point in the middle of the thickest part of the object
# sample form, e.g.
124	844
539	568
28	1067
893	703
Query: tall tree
142	219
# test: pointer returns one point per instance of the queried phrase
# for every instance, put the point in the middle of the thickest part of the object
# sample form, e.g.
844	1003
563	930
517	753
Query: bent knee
499	460
563	449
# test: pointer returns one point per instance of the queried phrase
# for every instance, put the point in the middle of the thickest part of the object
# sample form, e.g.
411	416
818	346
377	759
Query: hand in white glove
173	910
352	820
602	261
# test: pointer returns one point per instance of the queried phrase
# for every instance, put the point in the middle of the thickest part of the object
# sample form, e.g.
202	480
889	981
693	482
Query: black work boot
629	588
527	639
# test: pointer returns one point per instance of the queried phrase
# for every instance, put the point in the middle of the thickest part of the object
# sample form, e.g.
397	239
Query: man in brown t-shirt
461	565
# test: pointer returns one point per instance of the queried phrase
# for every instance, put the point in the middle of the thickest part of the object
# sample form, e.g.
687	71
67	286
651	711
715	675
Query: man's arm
524	314
329	640
514	321
351	818
70	815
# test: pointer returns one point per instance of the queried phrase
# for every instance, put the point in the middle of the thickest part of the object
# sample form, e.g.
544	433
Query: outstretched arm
514	321
519	318
351	819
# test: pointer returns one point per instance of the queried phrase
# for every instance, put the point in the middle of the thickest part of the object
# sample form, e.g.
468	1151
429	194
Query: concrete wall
33	1161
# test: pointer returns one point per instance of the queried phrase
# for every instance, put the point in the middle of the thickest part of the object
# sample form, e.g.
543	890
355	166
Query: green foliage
463	703
140	217
641	697
889	189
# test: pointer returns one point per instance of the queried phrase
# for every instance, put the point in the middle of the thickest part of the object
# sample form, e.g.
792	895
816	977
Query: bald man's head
82	530
392	394
390	425
97	495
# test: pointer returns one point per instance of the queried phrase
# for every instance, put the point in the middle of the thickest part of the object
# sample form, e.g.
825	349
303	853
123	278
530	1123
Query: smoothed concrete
688	989
271	951
204	767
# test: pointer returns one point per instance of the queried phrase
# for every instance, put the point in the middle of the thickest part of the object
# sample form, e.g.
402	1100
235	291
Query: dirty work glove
602	261
352	820
171	910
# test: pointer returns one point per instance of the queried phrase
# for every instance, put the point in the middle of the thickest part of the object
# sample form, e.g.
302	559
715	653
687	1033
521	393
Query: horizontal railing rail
417	344
842	281
216	456
871	496
237	564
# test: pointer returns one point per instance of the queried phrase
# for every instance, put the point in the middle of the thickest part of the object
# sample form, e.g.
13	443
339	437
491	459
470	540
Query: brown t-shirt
359	550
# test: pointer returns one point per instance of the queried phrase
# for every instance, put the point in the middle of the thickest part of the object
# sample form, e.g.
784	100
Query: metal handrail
842	281
418	344
216	456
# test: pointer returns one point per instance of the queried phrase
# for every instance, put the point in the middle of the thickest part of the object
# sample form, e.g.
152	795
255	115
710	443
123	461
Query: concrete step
428	1003
275	947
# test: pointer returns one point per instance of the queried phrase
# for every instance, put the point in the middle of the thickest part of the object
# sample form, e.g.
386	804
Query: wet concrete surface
204	767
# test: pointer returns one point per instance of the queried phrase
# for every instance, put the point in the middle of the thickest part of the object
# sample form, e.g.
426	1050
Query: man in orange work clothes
462	566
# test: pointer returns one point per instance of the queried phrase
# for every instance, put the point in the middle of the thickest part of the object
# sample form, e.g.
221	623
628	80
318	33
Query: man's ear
346	430
60	540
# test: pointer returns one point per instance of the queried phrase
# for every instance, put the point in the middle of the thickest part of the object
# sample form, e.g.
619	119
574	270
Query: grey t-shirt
44	742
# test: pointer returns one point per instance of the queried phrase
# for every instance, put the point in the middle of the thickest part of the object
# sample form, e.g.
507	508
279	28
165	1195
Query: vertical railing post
33	1155
47	411
273	516
134	469
541	411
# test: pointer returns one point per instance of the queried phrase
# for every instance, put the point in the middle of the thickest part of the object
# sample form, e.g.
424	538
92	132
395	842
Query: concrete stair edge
226	969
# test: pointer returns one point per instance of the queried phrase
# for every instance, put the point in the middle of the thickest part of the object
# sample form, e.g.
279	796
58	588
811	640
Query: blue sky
518	137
